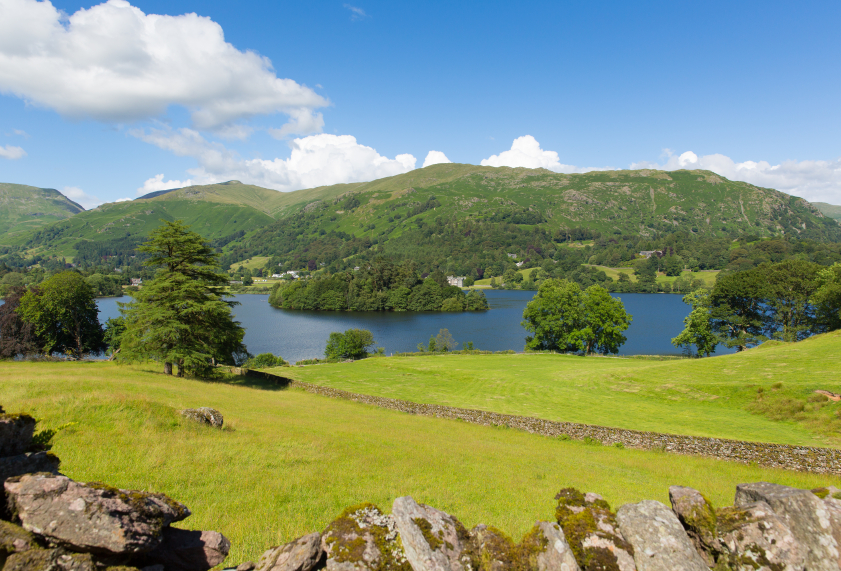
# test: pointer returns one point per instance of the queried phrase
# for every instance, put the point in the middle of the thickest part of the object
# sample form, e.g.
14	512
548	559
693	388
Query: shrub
352	344
264	361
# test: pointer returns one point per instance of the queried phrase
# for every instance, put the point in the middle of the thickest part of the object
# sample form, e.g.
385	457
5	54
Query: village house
456	281
136	281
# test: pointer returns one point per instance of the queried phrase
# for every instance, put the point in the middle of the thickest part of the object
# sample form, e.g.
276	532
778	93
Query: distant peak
231	182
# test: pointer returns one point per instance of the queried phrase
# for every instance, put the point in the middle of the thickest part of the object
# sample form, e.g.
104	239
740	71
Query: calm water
299	335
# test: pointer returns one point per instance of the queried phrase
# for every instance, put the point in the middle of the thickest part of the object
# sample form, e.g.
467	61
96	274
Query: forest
378	286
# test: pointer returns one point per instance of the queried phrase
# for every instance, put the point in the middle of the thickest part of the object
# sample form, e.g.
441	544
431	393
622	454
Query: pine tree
180	317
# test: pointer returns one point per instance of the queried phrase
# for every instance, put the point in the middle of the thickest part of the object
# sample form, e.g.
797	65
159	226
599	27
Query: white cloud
301	122
526	152
435	158
813	180
157	182
124	200
316	160
21	133
80	196
112	62
356	12
12	153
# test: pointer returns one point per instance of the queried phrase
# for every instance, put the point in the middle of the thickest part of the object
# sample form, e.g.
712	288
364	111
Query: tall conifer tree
181	317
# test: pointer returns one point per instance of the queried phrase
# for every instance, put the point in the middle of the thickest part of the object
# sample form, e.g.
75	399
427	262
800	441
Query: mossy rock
363	538
590	527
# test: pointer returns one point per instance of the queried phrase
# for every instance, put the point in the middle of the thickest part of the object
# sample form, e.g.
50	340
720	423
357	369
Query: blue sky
111	101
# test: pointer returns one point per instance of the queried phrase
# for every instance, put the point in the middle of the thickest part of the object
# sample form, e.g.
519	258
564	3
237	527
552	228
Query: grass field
707	276
251	263
739	396
288	462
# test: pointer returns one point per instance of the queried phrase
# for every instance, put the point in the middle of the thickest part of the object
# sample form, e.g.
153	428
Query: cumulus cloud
301	122
12	153
435	158
316	160
124	200
813	180
78	195
157	182
113	62
526	152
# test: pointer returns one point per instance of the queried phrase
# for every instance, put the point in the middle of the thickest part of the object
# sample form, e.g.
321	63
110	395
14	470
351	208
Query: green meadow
764	394
288	462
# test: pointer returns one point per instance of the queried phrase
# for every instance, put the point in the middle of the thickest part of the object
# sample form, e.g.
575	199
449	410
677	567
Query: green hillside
214	214
462	212
465	207
831	210
25	208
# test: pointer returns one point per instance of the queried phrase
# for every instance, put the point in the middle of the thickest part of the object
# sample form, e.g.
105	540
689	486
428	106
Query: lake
297	335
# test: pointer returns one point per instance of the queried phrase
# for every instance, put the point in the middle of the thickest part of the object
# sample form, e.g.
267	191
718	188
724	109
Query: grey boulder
16	432
205	415
49	560
301	554
432	540
806	515
91	517
185	550
557	555
659	540
698	518
28	463
756	539
363	538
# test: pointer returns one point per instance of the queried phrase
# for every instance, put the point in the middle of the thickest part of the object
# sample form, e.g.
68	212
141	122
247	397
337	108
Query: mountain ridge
640	202
24	208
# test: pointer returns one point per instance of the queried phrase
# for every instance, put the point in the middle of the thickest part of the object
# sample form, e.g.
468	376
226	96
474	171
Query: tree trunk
113	355
181	368
167	368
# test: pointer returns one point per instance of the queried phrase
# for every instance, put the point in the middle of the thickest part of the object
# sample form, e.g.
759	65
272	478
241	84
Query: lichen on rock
362	538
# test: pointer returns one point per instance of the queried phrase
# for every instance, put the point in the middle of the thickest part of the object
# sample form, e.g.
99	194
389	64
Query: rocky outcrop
91	517
697	516
302	554
591	530
363	538
205	415
432	540
754	537
658	538
805	514
58	524
185	550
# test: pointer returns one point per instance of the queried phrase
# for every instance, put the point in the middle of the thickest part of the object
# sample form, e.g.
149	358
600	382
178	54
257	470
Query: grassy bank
764	394
288	462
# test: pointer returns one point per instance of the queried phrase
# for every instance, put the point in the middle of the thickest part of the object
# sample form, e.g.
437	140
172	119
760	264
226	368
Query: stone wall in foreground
800	458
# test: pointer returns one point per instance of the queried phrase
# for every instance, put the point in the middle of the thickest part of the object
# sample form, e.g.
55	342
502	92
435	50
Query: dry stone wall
800	458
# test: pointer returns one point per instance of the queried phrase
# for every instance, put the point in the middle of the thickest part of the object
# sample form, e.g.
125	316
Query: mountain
831	210
24	208
482	208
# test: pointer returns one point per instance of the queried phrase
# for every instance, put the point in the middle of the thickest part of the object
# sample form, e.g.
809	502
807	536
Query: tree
17	337
554	315
352	344
604	319
789	287
827	297
180	316
444	341
699	329
737	309
63	313
673	266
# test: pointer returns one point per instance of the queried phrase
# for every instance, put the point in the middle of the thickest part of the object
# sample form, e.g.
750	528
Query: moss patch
348	537
821	492
426	529
580	519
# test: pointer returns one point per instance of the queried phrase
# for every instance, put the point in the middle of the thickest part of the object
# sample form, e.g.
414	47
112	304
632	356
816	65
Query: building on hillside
518	264
649	253
356	269
234	282
290	273
136	281
512	256
456	281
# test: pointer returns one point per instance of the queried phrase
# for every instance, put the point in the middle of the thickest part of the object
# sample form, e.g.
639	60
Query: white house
456	281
